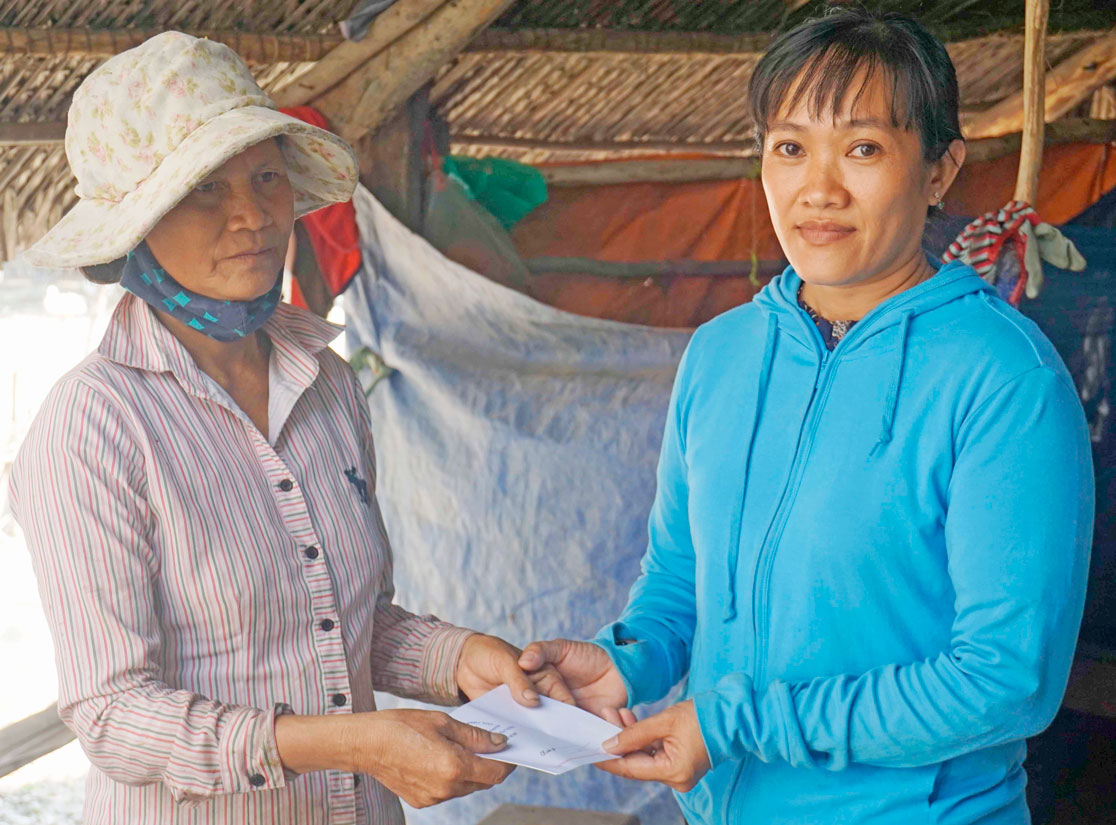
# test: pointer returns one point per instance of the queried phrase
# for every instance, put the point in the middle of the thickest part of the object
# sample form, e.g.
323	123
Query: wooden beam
1103	104
32	134
734	147
1070	130
1071	82
581	41
388	27
629	270
369	95
604	173
651	171
28	739
392	163
1034	102
253	48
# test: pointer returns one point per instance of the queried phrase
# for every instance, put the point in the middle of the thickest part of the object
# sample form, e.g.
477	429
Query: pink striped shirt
200	577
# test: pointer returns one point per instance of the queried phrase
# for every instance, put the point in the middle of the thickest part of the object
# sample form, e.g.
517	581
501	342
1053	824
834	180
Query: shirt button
326	625
310	552
257	780
339	700
286	485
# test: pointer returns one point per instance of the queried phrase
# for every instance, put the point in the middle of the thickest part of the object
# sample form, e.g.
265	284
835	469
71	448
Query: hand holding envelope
553	737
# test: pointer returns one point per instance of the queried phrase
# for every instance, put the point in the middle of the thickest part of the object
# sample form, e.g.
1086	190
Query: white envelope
553	737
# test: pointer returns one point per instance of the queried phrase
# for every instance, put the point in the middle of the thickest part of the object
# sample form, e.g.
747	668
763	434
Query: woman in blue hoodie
869	544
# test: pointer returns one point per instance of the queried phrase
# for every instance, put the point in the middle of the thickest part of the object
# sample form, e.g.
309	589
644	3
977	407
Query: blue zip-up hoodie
871	563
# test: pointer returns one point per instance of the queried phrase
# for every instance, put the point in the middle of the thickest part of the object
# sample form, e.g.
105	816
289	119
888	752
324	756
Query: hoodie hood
952	281
779	302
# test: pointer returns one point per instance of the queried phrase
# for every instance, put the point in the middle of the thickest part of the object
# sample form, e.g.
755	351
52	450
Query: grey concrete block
530	815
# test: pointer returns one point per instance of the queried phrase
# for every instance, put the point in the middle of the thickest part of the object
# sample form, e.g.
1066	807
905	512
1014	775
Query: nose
823	185
246	210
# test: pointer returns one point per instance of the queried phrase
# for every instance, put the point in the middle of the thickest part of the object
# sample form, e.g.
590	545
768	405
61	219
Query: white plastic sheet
516	447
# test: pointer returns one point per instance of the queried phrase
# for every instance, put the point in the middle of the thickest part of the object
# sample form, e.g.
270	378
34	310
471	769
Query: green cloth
507	189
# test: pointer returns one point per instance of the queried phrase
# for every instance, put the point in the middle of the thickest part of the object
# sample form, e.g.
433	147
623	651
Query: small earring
940	203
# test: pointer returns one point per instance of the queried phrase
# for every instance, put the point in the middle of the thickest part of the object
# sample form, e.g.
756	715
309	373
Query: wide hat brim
321	166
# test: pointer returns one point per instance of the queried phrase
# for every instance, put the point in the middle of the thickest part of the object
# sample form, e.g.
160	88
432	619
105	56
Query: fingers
612	716
550	683
627	718
472	739
483	773
537	654
639	766
522	688
636	737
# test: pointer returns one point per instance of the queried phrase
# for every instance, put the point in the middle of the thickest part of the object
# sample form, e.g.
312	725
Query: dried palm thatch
568	98
553	80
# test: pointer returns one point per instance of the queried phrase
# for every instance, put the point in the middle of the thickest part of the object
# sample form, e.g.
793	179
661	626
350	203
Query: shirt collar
136	338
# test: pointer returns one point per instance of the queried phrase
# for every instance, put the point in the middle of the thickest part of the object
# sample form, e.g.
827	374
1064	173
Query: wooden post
1034	101
28	739
350	55
370	95
392	163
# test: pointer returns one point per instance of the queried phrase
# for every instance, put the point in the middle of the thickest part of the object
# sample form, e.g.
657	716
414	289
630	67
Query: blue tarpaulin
516	447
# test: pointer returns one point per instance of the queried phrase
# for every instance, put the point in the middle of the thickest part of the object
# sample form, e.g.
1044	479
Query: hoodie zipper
765	560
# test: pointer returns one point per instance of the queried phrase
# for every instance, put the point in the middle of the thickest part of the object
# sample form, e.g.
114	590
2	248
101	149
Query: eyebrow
212	176
857	123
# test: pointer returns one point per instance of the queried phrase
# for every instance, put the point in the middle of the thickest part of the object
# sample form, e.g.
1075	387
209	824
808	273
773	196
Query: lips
820	233
252	254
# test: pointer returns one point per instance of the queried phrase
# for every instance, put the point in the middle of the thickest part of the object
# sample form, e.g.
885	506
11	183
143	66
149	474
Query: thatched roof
948	19
551	80
558	95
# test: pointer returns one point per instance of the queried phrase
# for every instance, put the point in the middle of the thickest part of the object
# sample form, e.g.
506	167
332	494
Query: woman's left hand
665	748
487	662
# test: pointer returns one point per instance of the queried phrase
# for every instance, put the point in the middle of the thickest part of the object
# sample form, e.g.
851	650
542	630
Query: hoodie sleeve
1018	531
650	643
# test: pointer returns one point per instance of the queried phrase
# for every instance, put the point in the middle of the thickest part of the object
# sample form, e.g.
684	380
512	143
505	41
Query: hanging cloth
981	242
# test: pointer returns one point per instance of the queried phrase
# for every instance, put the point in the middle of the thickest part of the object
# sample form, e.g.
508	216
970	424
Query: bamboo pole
651	171
734	147
368	96
615	41
1034	101
388	27
32	134
639	270
253	48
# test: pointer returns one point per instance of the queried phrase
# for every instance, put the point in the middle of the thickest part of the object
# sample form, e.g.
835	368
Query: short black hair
822	56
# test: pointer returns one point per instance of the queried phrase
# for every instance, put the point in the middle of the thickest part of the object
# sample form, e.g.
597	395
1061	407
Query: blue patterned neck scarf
220	320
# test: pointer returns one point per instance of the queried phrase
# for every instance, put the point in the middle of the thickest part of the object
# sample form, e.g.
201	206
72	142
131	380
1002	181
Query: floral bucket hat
151	123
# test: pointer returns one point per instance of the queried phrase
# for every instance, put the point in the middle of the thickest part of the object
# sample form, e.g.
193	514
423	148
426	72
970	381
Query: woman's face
227	239
847	191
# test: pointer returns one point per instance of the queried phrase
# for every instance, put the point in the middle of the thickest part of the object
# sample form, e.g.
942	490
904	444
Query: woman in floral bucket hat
198	494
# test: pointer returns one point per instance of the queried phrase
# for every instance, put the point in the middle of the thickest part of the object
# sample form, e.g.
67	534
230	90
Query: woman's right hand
589	674
423	757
